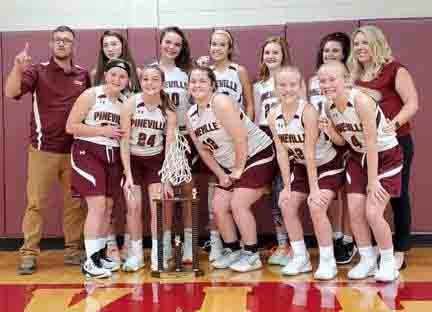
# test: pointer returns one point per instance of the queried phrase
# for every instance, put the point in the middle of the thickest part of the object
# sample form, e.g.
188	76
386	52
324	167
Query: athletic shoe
297	265
386	273
345	253
93	268
249	261
133	264
27	266
279	255
227	258
364	269
108	262
326	270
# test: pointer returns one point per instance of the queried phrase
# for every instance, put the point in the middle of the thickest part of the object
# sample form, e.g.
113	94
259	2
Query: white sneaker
386	272
216	249
227	258
154	259
279	255
133	264
90	269
364	269
187	250
327	270
298	264
248	261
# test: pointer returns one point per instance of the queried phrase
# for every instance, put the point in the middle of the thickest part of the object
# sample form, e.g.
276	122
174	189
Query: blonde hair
381	51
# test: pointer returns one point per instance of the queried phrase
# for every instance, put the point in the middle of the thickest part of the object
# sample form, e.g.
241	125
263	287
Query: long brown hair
342	38
264	73
183	60
166	103
125	55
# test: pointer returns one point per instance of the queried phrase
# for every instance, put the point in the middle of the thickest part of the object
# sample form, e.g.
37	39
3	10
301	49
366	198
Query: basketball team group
337	143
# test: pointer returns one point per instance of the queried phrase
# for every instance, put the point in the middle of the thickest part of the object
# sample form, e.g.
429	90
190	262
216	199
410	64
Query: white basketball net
175	168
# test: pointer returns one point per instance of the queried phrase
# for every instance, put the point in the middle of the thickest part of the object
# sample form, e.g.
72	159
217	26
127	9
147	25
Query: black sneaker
348	253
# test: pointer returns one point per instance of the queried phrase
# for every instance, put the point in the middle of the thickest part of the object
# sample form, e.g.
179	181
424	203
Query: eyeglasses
65	41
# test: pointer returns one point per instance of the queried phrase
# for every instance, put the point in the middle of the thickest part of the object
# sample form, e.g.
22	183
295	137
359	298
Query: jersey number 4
144	140
210	144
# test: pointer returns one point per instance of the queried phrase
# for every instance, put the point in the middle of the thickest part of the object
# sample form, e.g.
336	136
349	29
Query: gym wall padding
142	42
409	40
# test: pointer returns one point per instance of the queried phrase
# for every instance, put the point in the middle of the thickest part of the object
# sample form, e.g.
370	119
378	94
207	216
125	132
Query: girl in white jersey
145	119
175	61
112	45
95	123
232	79
335	47
373	170
315	173
241	156
274	54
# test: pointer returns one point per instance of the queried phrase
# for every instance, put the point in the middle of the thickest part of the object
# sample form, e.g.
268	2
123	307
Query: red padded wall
198	41
408	40
17	121
2	202
142	42
304	40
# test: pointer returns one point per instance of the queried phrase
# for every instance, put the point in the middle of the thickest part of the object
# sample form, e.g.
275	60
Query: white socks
94	245
299	248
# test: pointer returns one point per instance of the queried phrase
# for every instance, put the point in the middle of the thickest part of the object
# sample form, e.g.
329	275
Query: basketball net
175	168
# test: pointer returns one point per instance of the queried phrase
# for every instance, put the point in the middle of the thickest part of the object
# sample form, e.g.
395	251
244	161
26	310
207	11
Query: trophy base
186	273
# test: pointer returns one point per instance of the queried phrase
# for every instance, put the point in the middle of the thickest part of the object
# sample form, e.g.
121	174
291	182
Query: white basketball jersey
228	82
265	95
176	84
292	137
147	130
209	131
349	126
103	113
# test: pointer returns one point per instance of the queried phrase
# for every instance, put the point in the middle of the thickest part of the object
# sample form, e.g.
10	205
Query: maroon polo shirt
391	102
54	93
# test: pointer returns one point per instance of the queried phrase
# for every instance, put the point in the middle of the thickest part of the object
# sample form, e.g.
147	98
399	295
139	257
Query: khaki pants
44	169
